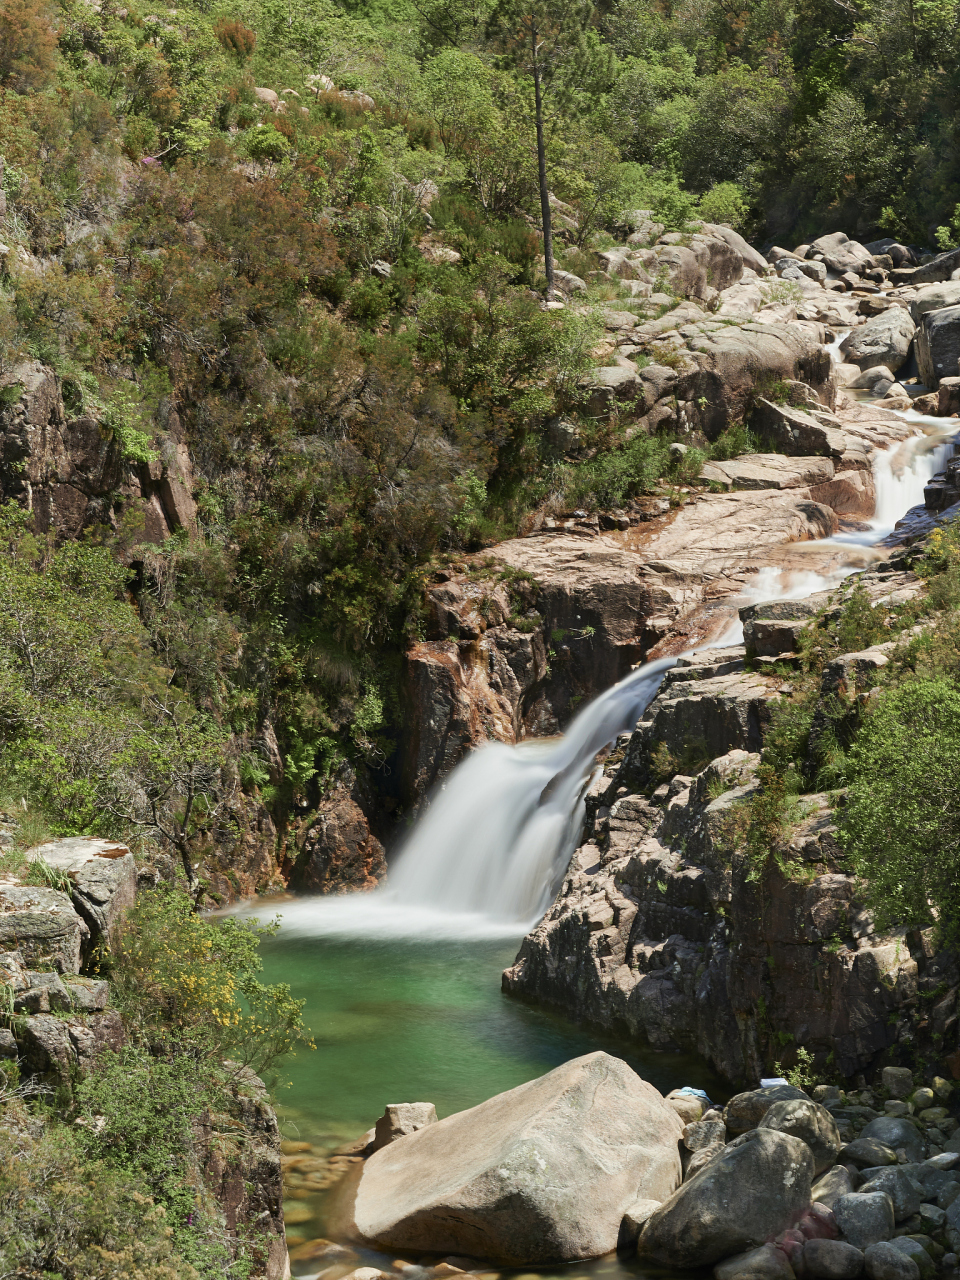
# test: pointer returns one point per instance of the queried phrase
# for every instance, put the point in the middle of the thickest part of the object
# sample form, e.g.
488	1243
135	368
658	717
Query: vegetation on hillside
315	234
115	1174
882	744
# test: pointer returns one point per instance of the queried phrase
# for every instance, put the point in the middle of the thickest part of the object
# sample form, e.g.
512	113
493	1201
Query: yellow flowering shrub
185	976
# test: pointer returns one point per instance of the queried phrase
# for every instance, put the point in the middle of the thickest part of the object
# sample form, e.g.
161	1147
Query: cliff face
666	929
520	636
71	472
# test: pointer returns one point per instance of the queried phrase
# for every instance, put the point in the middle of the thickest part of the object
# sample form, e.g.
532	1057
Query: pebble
294	1213
294	1148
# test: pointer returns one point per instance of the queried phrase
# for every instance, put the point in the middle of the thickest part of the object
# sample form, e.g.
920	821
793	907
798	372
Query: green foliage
180	976
63	1215
138	1114
735	441
725	202
901	825
801	1074
616	475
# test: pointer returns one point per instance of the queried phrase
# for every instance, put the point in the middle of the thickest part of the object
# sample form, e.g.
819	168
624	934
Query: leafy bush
735	441
901	825
64	1215
181	976
727	203
612	477
237	39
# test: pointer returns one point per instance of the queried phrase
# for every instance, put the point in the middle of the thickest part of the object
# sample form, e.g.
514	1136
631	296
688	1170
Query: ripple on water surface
413	1020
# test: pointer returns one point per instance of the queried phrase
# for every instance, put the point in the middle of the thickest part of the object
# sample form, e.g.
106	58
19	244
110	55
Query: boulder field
589	1158
709	332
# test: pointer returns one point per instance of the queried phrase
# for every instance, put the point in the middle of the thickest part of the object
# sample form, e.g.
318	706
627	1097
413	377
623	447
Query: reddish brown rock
338	853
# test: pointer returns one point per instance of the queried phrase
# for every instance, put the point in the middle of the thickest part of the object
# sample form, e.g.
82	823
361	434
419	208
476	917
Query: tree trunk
542	166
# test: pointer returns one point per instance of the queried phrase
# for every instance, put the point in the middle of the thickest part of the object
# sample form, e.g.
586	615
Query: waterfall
486	857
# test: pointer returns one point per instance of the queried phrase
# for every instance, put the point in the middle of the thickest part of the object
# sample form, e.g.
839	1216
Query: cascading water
486	856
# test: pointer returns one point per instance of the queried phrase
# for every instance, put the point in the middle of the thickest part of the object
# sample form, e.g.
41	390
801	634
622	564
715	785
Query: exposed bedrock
665	930
70	471
521	636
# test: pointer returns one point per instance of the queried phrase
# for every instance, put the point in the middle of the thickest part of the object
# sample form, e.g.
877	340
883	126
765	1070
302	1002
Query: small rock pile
883	1197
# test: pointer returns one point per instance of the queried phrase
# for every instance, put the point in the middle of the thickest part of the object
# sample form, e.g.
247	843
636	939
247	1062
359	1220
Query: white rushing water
486	857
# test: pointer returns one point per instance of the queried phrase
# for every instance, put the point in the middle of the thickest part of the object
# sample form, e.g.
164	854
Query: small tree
901	824
237	39
27	45
546	40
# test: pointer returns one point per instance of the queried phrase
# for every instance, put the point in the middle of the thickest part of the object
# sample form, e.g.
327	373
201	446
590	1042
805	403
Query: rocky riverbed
589	1159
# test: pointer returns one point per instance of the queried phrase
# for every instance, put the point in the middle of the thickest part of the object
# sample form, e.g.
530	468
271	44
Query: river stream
402	986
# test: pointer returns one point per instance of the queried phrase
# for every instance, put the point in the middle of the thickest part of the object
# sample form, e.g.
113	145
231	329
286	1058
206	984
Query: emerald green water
405	1020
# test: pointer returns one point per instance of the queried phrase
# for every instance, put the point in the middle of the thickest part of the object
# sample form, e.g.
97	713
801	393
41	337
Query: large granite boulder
729	359
769	471
542	1173
865	1219
758	1185
885	339
103	876
745	1111
885	1262
810	1122
841	254
938	345
798	432
42	925
750	257
933	297
939	268
897	1133
905	1192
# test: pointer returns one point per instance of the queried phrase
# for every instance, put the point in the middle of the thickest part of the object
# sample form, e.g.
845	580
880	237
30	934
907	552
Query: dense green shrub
64	1215
901	825
181	977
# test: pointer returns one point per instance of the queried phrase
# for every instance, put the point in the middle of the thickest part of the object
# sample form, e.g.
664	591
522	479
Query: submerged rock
542	1173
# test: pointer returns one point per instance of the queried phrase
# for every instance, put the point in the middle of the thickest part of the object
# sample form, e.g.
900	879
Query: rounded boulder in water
745	1111
542	1173
897	1134
749	1192
809	1122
